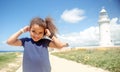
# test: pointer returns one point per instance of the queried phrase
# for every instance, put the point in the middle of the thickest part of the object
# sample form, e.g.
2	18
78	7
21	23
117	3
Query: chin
35	40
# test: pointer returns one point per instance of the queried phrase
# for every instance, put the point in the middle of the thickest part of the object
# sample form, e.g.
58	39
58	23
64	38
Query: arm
55	42
13	40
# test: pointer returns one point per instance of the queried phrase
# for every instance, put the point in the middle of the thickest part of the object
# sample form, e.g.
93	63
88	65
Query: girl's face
36	32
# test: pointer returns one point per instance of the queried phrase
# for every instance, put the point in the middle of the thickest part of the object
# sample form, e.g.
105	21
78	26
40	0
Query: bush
106	58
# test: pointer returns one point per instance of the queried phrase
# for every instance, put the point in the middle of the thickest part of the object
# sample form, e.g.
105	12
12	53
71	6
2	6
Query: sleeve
23	40
47	41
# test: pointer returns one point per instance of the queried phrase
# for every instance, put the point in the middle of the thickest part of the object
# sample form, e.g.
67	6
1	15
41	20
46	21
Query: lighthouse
104	29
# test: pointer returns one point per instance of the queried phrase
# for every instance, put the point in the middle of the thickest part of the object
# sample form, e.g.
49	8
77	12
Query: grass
106	58
6	58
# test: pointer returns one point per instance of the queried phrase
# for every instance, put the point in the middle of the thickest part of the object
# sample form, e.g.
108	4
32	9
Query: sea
11	51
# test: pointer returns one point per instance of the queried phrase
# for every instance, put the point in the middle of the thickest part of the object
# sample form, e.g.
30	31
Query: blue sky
81	15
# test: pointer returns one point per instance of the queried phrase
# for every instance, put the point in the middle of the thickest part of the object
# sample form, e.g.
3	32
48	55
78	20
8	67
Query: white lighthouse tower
104	28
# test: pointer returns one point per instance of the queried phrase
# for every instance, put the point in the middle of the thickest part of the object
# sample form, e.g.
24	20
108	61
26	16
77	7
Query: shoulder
25	39
45	41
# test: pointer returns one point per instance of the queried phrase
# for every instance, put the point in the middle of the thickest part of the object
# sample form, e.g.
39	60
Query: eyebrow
35	30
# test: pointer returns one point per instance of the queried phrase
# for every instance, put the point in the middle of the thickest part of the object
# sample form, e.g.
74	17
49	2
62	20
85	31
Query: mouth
36	39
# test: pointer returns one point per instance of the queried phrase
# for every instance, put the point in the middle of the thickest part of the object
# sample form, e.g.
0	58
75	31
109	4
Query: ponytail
50	25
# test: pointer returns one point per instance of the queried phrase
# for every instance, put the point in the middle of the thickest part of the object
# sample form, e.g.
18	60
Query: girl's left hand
47	31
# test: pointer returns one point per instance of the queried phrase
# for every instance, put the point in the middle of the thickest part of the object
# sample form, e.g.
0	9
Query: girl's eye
40	32
33	31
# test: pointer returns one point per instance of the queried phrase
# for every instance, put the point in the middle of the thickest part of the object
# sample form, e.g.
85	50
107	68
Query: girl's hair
46	24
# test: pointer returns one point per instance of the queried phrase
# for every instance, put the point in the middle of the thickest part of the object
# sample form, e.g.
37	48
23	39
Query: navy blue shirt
36	56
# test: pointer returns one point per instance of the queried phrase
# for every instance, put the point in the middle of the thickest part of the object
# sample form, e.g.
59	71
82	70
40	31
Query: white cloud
119	20
90	36
73	16
83	38
114	21
115	30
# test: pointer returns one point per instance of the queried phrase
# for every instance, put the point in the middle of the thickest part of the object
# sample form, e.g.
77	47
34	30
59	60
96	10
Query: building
104	29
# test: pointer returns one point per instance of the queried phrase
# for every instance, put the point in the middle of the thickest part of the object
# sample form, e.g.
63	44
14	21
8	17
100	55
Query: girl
36	56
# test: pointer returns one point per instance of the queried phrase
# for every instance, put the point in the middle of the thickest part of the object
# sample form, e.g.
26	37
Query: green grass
6	58
106	58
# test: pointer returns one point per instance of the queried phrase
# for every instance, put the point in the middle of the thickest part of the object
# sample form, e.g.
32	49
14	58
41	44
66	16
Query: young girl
36	56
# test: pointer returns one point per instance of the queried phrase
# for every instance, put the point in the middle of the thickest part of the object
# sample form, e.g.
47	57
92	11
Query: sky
76	20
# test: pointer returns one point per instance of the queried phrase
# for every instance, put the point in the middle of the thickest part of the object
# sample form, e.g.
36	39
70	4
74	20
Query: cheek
31	34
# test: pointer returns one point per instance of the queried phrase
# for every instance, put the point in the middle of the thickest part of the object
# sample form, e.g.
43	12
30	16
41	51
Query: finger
47	32
26	28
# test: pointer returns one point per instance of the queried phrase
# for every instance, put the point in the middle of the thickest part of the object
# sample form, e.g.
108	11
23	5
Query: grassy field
8	61
106	58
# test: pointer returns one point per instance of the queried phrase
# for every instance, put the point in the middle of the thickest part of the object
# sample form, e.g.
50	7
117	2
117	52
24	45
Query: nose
36	35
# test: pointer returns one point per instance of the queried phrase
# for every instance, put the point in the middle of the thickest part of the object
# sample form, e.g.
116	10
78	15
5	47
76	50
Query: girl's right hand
25	29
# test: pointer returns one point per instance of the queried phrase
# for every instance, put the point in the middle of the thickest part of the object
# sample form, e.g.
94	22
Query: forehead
37	27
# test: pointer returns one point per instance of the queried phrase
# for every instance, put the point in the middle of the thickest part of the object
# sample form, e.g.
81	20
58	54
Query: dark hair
46	24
